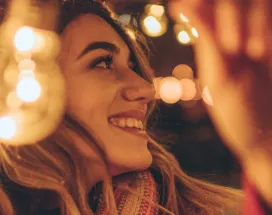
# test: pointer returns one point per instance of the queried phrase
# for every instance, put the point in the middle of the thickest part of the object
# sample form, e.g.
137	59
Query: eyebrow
98	45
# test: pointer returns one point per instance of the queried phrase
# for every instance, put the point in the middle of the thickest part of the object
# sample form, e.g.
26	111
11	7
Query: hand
234	55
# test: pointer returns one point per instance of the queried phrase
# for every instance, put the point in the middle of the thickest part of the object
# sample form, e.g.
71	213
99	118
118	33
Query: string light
194	32
28	90
170	90
24	39
183	18
206	95
31	106
156	10
154	22
188	89
157	84
183	71
7	128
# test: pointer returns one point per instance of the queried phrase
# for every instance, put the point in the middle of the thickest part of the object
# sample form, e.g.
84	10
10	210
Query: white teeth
127	122
130	122
122	123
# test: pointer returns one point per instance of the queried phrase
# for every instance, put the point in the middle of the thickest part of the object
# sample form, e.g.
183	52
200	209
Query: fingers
229	22
259	29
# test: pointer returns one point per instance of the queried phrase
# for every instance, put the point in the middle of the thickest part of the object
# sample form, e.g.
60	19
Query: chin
137	162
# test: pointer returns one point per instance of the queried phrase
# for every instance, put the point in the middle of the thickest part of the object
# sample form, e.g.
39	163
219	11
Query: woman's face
105	94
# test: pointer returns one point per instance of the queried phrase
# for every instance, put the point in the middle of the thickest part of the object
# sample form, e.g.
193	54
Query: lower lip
134	131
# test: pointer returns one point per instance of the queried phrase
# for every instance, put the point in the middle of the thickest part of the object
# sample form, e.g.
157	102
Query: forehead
86	29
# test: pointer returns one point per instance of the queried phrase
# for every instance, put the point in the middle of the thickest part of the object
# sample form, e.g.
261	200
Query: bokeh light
206	96
183	37
170	90
156	10
183	18
188	89
152	25
157	83
13	101
7	128
24	39
26	64
194	32
28	89
183	71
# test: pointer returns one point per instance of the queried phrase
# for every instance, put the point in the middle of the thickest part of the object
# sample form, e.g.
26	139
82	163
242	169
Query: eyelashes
103	62
107	61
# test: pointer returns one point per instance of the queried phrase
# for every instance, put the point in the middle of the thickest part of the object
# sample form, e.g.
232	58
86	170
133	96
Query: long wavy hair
50	169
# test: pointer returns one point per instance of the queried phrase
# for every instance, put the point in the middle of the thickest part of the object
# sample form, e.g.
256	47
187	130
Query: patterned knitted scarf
127	203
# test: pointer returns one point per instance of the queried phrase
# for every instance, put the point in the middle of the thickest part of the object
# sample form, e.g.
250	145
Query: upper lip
137	114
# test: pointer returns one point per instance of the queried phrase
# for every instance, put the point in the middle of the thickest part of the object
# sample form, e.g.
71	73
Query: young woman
101	159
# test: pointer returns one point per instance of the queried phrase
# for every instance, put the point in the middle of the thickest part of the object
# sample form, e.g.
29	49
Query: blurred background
184	126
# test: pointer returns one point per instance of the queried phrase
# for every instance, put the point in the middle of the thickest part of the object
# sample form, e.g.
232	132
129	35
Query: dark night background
187	129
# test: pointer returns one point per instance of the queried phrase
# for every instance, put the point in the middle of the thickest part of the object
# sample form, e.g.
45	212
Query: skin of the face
101	83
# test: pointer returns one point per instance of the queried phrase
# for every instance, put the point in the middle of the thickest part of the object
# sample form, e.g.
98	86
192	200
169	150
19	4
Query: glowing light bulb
152	25
24	39
206	95
170	90
27	64
26	74
188	89
13	101
194	32
183	71
183	18
28	90
156	10
157	83
183	37
7	128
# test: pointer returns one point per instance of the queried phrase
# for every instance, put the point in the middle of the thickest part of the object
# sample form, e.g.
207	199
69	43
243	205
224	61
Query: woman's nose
138	89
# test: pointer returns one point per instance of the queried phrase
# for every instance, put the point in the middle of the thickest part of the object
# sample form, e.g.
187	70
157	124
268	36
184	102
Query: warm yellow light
188	89
183	37
27	64
183	18
13	101
156	84
170	90
11	75
183	71
24	39
26	74
194	32
28	90
206	95
153	26
156	10
7	128
131	33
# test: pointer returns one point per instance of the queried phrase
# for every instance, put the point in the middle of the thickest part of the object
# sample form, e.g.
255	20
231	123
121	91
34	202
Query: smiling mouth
130	125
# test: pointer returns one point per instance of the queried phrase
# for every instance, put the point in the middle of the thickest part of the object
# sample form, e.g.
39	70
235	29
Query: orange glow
157	83
27	64
206	95
7	128
156	10
183	71
183	37
28	89
170	90
188	89
13	101
24	39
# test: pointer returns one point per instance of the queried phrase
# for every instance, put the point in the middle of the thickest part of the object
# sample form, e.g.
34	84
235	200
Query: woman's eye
102	62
